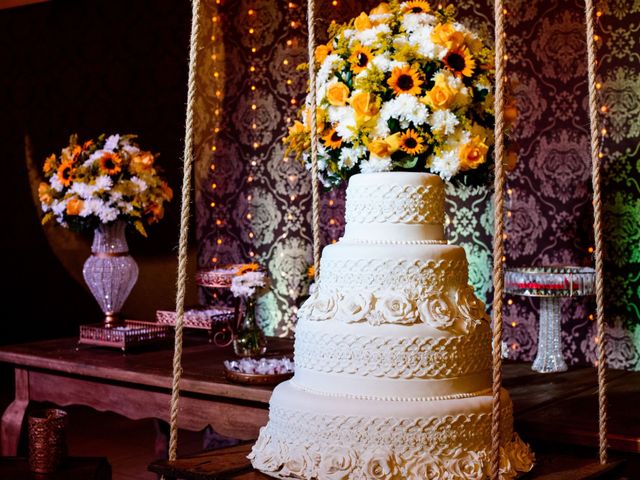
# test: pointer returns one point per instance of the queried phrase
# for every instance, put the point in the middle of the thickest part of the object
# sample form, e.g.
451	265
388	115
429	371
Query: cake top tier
395	205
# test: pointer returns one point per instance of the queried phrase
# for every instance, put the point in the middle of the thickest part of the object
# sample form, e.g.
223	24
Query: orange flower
332	139
447	36
405	80
247	267
44	193
385	148
473	153
74	206
337	94
66	173
49	164
155	212
323	51
366	106
442	95
143	160
511	161
87	144
110	163
381	9
311	271
167	193
362	22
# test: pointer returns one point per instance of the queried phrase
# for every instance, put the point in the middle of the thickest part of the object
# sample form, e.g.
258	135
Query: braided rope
315	188
184	229
498	237
597	228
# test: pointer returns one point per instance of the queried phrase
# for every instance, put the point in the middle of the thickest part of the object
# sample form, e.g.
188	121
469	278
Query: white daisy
56	184
446	164
103	182
112	143
141	184
371	35
349	157
413	21
443	121
406	109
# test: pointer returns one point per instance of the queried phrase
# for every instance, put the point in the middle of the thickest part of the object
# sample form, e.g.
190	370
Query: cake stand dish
550	284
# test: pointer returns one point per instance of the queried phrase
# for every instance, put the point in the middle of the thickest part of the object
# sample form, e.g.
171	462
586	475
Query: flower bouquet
249	339
104	185
404	87
99	182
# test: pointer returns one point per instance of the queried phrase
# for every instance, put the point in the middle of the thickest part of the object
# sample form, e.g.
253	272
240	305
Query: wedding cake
392	353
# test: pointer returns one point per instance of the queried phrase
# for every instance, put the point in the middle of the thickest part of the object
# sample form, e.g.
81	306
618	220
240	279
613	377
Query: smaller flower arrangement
98	182
248	280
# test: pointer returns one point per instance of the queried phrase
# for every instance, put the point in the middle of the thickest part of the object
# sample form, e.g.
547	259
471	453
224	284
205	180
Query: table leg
14	415
549	357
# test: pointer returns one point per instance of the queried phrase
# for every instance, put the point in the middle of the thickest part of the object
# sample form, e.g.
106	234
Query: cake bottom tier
311	436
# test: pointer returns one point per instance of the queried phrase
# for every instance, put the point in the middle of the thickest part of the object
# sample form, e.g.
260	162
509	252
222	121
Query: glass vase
249	341
110	272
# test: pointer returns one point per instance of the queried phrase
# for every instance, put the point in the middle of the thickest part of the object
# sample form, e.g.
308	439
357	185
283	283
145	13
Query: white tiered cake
392	353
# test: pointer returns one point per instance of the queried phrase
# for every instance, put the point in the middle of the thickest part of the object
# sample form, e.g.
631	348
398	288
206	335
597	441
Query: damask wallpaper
253	203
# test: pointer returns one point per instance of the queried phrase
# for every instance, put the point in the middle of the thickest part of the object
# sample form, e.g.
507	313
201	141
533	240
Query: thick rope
184	229
597	228
498	238
315	187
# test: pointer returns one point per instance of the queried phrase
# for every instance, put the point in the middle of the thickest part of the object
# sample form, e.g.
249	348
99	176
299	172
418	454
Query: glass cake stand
550	284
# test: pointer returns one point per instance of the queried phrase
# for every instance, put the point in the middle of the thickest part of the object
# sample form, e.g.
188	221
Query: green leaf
406	162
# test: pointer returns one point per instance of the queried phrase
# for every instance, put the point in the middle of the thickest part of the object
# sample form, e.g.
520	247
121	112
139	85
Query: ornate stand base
549	357
125	335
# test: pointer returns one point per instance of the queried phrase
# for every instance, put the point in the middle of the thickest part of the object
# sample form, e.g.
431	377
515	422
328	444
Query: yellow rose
363	22
442	95
447	36
322	52
366	106
385	148
321	118
473	154
381	9
380	148
74	206
337	94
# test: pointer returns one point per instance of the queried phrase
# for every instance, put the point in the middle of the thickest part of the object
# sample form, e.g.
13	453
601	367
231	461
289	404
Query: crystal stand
549	357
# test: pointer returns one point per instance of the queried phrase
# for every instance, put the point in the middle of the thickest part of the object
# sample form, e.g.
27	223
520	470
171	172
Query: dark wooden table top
544	404
203	371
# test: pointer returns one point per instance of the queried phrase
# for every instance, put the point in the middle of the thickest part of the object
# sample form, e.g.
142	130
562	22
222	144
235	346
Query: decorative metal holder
550	284
126	335
217	321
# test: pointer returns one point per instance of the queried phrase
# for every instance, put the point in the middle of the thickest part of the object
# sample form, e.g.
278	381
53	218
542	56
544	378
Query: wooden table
136	385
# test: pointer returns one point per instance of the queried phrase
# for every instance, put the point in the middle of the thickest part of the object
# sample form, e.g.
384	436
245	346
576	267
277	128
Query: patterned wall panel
254	203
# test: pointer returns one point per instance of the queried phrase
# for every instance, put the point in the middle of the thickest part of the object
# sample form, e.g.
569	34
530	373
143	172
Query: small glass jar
249	340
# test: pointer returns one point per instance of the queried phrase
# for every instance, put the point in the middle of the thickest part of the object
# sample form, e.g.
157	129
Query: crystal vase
110	272
249	341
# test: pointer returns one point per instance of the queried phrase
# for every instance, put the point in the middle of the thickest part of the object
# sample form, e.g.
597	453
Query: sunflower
360	58
405	80
411	142
332	139
110	163
49	164
416	6
460	62
66	173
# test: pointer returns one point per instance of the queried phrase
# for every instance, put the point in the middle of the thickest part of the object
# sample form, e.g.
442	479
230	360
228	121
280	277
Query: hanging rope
315	187
184	229
597	228
498	238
